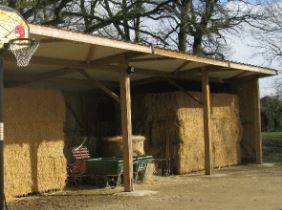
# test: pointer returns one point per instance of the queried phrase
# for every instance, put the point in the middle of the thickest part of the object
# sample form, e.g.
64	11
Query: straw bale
34	141
177	119
113	146
149	173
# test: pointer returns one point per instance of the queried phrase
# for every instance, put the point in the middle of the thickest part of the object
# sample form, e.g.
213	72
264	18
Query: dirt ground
242	187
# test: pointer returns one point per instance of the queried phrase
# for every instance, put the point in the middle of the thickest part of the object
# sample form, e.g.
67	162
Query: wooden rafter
90	54
95	82
135	60
173	83
179	68
100	85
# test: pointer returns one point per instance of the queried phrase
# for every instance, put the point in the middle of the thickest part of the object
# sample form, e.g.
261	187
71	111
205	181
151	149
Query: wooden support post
2	192
125	101
207	120
257	122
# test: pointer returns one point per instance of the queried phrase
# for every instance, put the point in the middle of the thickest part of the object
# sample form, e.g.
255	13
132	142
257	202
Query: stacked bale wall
174	129
34	141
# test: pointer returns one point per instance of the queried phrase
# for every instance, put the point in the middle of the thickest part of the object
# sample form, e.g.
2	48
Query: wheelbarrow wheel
113	181
101	181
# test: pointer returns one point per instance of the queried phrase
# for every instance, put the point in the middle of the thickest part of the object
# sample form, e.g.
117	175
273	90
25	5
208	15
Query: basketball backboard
12	25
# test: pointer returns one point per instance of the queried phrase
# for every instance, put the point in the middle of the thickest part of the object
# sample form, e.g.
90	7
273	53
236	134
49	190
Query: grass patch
271	135
272	147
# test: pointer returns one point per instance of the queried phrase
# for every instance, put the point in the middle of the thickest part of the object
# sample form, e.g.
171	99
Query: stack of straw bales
34	141
174	128
112	146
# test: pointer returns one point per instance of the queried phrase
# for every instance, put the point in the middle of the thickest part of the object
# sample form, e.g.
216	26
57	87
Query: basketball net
23	49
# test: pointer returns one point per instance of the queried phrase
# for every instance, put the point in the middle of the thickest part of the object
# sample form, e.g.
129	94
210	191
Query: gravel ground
242	187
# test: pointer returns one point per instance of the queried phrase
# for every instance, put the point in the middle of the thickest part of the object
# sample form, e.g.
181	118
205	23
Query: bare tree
194	26
268	35
200	26
268	32
122	19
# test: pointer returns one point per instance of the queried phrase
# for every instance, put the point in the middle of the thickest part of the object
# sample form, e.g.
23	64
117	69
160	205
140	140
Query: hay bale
34	141
176	130
149	173
113	146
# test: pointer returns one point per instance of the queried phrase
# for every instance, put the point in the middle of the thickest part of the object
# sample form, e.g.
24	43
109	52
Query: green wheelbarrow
139	166
105	171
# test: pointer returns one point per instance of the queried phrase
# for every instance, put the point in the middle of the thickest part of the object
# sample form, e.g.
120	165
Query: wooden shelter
68	60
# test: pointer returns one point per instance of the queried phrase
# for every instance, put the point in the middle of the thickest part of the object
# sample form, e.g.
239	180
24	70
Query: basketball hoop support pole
1	133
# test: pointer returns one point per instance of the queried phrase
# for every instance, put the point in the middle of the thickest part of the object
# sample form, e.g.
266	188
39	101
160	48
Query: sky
241	51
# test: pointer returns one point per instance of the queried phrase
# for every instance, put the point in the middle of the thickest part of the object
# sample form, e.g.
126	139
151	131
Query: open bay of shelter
195	112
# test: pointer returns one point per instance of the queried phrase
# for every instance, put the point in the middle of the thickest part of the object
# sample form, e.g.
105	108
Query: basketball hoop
15	36
23	49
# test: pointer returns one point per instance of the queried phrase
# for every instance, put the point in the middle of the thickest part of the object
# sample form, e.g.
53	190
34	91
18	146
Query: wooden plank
100	85
86	38
207	121
249	107
126	126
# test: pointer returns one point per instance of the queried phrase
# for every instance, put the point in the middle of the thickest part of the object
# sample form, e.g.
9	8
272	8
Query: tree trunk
184	25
